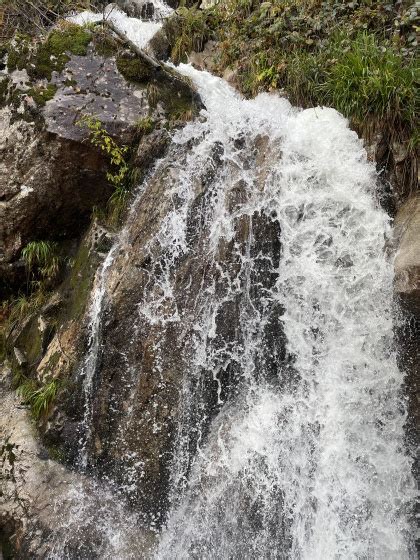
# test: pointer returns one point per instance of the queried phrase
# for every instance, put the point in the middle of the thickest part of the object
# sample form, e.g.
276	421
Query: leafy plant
43	257
102	139
38	396
145	125
120	177
188	30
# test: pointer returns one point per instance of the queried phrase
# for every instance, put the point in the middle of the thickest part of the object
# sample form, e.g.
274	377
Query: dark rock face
48	187
149	341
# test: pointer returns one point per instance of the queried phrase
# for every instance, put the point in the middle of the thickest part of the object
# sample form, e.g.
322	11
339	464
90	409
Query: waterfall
289	432
308	463
90	362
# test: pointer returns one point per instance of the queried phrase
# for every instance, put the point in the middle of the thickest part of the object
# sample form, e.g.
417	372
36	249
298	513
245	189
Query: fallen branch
139	52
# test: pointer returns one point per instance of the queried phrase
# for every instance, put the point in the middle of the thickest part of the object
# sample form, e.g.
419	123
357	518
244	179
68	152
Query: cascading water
309	463
289	437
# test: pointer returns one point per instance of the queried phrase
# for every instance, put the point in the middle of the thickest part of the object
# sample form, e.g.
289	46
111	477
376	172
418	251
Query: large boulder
51	176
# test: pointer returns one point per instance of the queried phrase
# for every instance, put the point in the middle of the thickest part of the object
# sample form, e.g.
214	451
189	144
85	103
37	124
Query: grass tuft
39	397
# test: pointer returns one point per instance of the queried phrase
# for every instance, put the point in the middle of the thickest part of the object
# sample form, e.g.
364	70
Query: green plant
120	177
187	31
145	125
42	94
38	396
102	139
371	79
42	256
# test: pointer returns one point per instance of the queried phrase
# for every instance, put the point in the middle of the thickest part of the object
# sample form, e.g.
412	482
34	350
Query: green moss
18	52
4	85
78	284
30	342
133	68
177	98
41	95
56	453
52	55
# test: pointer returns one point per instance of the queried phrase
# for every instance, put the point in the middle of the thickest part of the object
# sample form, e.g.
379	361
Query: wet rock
48	187
151	147
205	60
135	411
407	261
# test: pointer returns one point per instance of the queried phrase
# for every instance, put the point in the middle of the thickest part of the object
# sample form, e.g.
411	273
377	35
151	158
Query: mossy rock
53	54
18	52
41	95
134	69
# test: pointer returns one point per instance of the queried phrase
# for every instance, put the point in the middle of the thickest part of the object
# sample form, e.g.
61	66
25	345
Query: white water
138	31
315	468
90	361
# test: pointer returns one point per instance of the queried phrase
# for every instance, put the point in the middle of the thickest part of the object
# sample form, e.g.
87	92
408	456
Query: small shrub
188	30
38	396
42	257
145	125
120	178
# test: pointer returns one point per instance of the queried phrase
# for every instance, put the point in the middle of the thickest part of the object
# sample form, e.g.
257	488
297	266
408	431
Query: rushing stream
289	441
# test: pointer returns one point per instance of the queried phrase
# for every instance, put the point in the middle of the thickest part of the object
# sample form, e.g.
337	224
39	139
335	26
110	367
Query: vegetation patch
18	52
53	53
4	86
189	29
358	56
38	396
121	176
105	45
145	125
42	94
42	260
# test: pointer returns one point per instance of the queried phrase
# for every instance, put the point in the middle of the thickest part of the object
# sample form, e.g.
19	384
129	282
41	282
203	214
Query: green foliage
120	178
188	30
52	54
99	137
357	56
369	79
145	125
42	257
38	396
